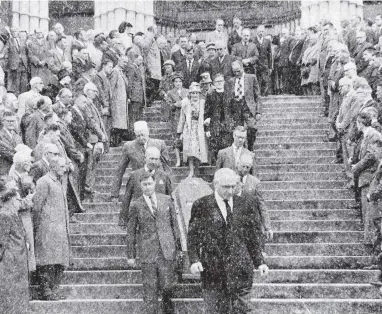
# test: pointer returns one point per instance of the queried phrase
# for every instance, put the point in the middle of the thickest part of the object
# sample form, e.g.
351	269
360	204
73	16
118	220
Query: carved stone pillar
16	13
34	18
110	15
103	12
24	15
44	15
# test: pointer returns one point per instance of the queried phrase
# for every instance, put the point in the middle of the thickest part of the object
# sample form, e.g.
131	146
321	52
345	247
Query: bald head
152	158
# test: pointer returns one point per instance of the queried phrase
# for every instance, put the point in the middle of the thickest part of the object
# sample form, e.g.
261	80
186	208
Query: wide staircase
316	257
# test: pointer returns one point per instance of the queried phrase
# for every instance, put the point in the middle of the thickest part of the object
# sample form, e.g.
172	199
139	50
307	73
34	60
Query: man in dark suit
264	62
222	63
154	215
133	187
133	155
189	67
113	52
235	36
286	46
135	89
224	246
229	157
18	66
362	45
294	58
9	139
180	55
243	94
36	123
247	52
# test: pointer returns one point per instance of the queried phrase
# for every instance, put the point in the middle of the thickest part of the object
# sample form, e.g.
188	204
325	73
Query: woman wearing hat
191	130
14	288
173	105
166	84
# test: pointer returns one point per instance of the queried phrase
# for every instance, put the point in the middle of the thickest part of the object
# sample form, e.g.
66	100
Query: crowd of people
65	100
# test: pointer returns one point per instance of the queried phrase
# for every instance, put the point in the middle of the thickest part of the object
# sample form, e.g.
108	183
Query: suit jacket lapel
147	208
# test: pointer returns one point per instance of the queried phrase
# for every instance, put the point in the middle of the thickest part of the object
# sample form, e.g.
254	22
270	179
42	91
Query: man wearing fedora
166	84
205	63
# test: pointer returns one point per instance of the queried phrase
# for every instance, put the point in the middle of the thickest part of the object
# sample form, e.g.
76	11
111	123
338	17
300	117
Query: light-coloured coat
184	127
118	104
51	221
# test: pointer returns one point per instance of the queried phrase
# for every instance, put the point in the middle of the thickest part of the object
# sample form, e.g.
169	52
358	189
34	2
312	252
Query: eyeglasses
219	49
219	81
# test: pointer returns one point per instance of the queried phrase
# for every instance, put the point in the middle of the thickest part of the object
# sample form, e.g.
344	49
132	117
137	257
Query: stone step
277	262
290	139
280	120
309	204
292	132
307	194
293	126
265	185
293	160
297	145
277	225
279	237
330	214
327	249
195	306
300	176
290	99
275	276
286	114
259	290
295	153
312	108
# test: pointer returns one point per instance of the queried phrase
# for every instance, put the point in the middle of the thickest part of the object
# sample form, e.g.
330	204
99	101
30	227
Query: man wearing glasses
9	139
41	167
218	34
222	63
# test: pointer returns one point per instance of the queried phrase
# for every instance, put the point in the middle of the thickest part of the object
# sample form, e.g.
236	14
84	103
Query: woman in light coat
191	130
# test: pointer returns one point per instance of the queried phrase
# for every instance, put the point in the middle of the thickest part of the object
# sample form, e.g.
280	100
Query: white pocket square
161	182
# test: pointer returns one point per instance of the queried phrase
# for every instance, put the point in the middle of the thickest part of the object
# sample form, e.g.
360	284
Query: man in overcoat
51	229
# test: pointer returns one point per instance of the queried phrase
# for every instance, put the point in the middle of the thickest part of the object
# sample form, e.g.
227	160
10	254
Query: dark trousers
135	114
220	301
17	81
263	77
152	90
285	75
92	162
158	278
251	138
49	277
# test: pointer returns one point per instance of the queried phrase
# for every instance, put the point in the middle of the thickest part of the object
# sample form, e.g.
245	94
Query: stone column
110	15
34	19
334	13
24	16
148	6
16	13
119	13
44	15
97	17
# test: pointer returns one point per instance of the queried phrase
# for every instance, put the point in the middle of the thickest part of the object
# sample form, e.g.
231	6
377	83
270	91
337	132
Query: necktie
153	205
229	213
239	92
189	65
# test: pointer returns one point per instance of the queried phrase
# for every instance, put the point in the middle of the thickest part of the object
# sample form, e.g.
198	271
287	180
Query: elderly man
153	228
9	103
264	62
247	52
224	246
51	223
252	185
230	156
113	52
64	100
36	122
362	45
27	99
41	167
347	113
222	63
119	102
18	66
189	68
133	155
218	34
9	139
167	84
59	30
38	49
87	75
133	188
58	55
96	136
243	94
286	46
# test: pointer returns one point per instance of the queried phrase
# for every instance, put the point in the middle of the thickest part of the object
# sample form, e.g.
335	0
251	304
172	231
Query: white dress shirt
148	201
236	152
222	206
